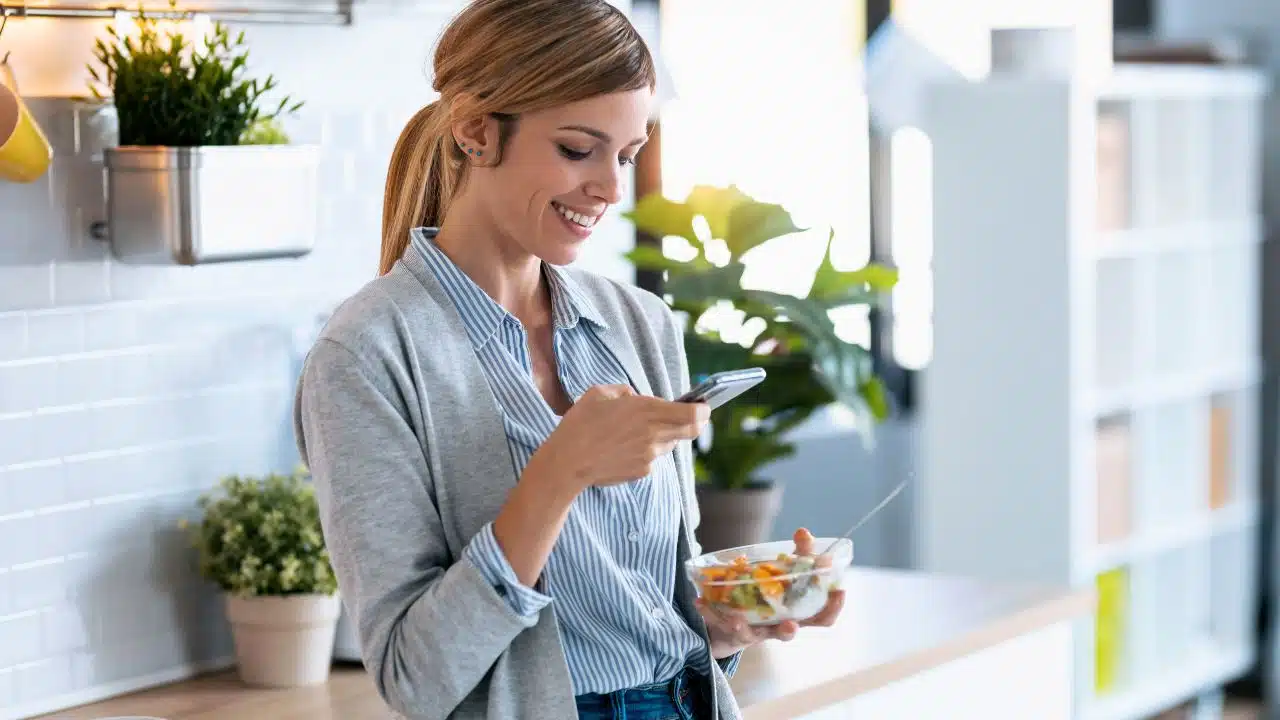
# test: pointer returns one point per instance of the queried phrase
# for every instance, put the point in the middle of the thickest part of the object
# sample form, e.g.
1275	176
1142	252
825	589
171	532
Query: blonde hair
502	58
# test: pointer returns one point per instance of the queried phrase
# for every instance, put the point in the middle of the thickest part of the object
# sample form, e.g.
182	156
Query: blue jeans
680	698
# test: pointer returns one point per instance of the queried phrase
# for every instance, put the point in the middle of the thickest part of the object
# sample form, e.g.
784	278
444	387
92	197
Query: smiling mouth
576	218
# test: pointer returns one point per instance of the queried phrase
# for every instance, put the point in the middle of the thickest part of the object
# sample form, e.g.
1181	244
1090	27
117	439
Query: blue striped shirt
612	571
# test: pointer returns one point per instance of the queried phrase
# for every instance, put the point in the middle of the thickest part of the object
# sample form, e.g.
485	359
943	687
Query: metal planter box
198	205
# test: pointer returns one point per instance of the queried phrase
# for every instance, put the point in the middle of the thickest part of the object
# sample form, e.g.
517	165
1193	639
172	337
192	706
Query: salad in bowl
769	583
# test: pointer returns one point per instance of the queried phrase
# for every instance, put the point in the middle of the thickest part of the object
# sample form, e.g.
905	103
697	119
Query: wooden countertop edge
1066	606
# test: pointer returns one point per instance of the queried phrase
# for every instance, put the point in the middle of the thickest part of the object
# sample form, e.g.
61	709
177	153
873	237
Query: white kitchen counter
908	646
915	646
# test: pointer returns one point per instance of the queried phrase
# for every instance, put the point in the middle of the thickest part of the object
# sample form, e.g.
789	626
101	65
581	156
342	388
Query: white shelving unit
1090	413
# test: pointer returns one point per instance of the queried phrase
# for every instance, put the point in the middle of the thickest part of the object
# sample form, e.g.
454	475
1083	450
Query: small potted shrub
809	365
204	171
260	541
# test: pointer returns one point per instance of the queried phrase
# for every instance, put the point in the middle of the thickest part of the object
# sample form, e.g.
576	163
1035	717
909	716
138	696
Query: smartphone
722	387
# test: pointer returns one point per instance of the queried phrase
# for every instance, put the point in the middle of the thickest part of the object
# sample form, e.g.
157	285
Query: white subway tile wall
127	391
124	393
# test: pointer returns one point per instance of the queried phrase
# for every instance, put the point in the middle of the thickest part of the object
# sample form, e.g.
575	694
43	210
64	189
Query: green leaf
810	316
876	397
754	223
705	285
692	308
738	454
843	369
706	355
715	205
660	217
264	132
651	257
791	383
739	459
838	287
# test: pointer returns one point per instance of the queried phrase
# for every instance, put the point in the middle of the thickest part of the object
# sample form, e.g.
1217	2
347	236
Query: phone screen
723	387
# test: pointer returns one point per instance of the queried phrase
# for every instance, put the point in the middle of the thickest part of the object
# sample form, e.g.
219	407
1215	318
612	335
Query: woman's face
561	170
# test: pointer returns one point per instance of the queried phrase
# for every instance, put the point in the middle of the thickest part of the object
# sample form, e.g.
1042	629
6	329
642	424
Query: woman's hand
612	435
730	634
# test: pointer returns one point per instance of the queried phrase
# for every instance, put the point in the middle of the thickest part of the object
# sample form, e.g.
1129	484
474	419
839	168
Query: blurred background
1079	353
1081	341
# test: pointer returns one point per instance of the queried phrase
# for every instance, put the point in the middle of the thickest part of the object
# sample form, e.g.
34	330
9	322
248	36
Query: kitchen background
125	391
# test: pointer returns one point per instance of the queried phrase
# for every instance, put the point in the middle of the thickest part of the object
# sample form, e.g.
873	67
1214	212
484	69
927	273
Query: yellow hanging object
25	152
7	78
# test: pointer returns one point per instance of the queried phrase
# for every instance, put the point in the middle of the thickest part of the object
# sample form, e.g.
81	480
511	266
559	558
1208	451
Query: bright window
768	98
911	238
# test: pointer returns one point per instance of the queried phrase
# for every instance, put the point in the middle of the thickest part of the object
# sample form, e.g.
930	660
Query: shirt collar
569	303
481	314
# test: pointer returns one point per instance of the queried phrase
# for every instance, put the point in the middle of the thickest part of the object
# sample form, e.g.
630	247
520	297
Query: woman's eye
574	154
626	161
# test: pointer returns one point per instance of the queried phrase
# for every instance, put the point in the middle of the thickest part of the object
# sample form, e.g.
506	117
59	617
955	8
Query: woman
504	480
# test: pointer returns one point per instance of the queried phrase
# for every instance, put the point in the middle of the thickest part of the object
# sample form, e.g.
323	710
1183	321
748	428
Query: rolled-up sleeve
486	554
730	664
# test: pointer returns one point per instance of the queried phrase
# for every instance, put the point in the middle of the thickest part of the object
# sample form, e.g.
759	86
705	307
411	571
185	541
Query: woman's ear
477	139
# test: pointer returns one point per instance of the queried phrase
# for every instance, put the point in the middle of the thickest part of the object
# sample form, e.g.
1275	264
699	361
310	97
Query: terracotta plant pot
731	518
283	641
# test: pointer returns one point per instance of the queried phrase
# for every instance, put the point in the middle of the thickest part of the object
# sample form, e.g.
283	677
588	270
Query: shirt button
657	611
633	536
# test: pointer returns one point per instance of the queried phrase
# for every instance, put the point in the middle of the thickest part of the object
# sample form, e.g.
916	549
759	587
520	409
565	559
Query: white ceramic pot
283	641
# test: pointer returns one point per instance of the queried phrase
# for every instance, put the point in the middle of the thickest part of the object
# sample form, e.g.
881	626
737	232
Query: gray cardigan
404	439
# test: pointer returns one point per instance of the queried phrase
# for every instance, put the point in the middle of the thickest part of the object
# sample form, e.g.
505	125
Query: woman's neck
504	270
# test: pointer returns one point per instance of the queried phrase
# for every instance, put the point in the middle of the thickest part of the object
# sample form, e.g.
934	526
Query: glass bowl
767	583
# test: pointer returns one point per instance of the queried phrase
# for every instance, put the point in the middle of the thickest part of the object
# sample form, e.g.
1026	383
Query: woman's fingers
827	616
784	631
732	628
722	620
607	392
737	631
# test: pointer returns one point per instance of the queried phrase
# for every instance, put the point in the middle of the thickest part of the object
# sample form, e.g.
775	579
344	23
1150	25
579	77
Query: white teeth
576	218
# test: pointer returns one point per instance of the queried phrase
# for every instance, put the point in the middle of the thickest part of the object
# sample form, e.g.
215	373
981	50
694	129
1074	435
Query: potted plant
203	172
809	365
260	542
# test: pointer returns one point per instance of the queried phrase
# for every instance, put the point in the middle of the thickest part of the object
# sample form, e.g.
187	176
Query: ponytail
421	179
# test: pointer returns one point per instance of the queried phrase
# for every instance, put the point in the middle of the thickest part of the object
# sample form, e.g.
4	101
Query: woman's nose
610	185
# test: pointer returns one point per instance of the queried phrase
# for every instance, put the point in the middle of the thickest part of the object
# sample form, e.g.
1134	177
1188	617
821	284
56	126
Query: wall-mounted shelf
339	14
